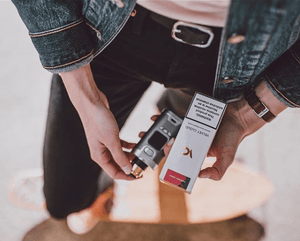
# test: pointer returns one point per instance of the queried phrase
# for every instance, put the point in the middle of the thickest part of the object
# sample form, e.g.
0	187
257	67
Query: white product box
192	143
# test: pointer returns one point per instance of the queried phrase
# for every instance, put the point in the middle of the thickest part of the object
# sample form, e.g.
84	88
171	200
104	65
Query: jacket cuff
283	76
64	49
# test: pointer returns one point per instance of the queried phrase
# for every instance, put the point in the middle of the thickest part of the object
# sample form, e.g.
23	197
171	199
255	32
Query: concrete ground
24	93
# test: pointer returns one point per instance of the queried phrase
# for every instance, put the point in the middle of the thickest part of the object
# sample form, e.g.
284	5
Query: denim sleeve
283	76
58	32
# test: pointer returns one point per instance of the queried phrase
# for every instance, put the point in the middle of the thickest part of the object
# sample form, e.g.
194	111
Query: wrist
81	87
246	114
266	96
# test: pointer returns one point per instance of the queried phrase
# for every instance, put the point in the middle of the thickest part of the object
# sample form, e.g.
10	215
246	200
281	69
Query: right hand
99	124
239	122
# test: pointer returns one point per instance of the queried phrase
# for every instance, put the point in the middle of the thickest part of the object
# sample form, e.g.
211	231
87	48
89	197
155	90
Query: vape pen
149	150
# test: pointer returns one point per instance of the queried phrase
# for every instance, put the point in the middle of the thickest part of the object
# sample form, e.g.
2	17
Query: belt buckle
195	26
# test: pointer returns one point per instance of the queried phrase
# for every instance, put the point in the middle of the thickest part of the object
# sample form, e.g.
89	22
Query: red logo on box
177	179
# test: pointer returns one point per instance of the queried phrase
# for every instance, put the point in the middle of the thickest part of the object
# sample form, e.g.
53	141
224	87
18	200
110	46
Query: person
105	54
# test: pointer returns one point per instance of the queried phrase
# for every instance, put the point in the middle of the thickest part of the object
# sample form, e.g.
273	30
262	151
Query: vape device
149	150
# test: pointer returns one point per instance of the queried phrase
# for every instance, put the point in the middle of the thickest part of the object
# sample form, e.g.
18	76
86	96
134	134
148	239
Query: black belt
188	33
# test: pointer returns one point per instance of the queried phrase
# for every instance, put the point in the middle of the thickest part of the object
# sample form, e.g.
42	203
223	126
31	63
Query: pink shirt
206	12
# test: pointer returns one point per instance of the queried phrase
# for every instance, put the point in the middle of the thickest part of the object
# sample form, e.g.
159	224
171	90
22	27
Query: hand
99	124
238	122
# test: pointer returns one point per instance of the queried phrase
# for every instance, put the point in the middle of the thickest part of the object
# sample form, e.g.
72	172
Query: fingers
130	156
225	145
115	148
114	171
154	117
127	145
217	171
102	156
168	146
112	159
141	134
224	150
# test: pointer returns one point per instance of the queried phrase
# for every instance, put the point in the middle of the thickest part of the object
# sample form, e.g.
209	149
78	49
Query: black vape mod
149	149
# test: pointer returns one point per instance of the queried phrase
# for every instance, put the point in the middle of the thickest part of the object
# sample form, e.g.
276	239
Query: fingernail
170	143
205	176
127	170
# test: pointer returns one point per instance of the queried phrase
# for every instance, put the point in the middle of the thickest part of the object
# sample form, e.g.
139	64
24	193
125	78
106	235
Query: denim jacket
68	34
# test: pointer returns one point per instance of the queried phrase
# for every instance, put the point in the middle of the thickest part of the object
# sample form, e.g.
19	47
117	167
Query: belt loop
138	19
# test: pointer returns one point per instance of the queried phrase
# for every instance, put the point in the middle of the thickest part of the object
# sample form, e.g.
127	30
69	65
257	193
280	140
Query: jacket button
227	80
236	39
99	36
119	3
133	13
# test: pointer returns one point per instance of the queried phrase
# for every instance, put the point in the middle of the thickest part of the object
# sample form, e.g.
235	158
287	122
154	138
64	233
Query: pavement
24	92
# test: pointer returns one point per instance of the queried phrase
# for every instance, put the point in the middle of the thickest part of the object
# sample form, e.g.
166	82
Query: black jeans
143	52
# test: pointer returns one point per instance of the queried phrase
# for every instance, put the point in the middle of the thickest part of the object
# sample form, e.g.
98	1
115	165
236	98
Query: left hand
99	123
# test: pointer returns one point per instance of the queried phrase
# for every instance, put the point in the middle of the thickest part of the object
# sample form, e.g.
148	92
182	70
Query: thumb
218	169
224	146
225	156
